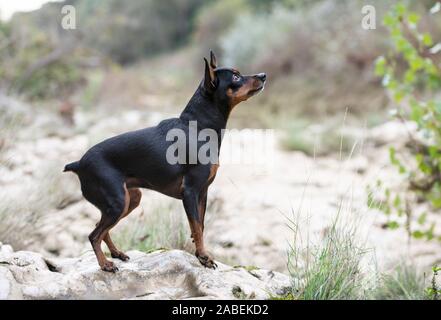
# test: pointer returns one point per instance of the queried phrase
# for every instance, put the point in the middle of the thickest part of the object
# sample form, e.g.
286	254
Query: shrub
31	63
404	283
332	269
131	30
216	19
412	76
308	73
328	270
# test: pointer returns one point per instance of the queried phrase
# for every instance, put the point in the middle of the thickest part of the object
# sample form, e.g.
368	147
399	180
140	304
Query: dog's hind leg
135	198
109	194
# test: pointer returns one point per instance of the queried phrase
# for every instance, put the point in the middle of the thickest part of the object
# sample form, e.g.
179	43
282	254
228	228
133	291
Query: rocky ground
249	205
159	275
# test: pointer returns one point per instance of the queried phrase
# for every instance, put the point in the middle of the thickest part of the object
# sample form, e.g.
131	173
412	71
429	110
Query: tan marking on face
243	93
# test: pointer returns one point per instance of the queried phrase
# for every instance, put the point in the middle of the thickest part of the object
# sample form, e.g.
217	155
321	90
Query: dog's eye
236	77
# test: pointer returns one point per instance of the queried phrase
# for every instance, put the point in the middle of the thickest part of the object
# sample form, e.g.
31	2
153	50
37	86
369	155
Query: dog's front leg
191	201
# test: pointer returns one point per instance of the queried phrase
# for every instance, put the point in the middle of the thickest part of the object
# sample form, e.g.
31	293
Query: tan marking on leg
105	264
202	206
134	200
198	237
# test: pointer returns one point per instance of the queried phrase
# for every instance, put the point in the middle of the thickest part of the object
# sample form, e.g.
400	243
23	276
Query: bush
404	283
332	269
32	64
312	54
329	270
412	75
216	19
127	31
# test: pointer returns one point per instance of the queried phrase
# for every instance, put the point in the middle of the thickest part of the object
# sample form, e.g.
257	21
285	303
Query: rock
9	288
170	274
5	249
395	132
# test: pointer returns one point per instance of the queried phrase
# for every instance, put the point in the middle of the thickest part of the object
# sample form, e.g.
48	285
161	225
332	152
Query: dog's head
228	85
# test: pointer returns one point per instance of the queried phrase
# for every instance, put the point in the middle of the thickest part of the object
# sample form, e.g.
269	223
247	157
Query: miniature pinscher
112	171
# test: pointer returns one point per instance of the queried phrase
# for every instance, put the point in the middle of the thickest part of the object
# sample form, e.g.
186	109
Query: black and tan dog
112	171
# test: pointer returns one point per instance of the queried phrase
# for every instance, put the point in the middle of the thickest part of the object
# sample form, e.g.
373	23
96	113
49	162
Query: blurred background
129	64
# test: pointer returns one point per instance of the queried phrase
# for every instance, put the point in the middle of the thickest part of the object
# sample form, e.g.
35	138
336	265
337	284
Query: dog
112	172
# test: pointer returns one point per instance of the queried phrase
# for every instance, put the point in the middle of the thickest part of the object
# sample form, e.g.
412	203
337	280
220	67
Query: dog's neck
208	112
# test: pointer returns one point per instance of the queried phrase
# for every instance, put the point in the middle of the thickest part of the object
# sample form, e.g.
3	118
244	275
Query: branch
422	50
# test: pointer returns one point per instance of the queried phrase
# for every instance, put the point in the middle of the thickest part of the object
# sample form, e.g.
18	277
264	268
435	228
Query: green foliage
329	270
268	30
412	76
404	283
163	227
216	19
332	269
309	73
434	291
127	31
20	55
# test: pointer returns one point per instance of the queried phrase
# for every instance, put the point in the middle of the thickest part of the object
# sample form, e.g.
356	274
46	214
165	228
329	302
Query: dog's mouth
256	91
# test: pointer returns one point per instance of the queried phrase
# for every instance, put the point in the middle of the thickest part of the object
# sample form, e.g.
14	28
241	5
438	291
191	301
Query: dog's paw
109	266
206	261
120	255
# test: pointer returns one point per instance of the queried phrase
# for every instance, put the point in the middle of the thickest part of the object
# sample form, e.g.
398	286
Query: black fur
137	159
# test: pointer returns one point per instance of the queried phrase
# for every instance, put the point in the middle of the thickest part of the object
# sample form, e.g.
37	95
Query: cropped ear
213	60
209	77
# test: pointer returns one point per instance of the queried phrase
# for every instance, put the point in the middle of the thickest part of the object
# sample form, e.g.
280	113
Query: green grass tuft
404	283
164	226
329	270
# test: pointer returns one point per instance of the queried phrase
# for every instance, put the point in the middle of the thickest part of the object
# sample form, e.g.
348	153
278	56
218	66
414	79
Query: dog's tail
74	167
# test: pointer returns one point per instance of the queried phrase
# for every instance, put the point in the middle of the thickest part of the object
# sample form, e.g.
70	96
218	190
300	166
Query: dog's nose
262	76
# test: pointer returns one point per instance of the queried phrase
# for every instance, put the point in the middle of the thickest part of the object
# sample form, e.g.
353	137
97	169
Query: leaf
417	234
402	44
429	232
436	202
398	96
433	152
416	64
389	20
393	225
422	218
400	9
427	39
413	18
397	201
392	155
416	111
409	77
380	66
